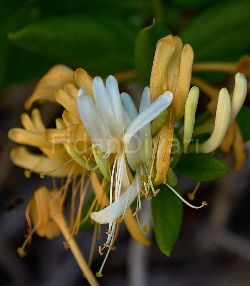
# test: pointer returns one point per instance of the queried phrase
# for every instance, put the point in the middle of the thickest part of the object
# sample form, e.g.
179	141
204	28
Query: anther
21	252
41	174
98	274
144	228
27	174
100	250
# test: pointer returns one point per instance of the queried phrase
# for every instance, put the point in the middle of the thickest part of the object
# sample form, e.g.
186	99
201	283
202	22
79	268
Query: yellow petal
70	119
36	118
173	69
84	81
71	89
67	101
164	150
184	79
37	163
27	137
158	81
239	149
37	212
27	123
42	209
55	78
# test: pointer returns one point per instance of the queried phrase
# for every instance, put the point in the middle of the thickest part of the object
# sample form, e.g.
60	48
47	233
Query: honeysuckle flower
171	70
109	124
137	156
54	155
232	137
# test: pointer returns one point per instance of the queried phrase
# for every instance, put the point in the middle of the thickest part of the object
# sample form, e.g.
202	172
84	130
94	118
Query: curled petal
37	212
84	81
222	120
161	103
117	208
55	78
239	94
37	163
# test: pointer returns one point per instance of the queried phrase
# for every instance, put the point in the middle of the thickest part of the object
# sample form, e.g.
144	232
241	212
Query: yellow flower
171	71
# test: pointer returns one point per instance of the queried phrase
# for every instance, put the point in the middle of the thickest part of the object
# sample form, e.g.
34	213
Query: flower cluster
103	141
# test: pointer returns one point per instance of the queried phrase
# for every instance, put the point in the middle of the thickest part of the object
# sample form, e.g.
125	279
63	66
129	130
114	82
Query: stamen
21	250
27	174
184	201
192	195
144	228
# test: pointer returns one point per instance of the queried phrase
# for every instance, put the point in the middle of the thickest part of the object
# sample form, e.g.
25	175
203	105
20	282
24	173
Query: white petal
103	104
145	99
91	120
239	94
161	103
129	105
115	97
117	208
222	120
189	119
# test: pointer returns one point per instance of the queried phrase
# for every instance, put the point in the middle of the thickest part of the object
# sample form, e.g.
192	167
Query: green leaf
167	212
111	7
201	167
216	35
18	65
102	45
243	118
192	4
145	49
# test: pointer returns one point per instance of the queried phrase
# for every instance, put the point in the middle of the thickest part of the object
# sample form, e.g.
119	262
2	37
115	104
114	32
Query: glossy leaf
201	167
145	48
221	32
101	45
167	212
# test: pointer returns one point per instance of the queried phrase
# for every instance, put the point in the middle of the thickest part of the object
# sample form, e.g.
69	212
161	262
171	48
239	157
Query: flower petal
67	101
161	103
55	78
91	120
239	94
84	81
182	89
129	106
21	157
115	98
117	208
222	120
190	110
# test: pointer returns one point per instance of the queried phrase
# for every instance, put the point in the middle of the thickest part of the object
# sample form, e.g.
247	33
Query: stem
62	224
216	66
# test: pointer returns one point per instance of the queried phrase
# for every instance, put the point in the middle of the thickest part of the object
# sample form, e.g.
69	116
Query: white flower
112	120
